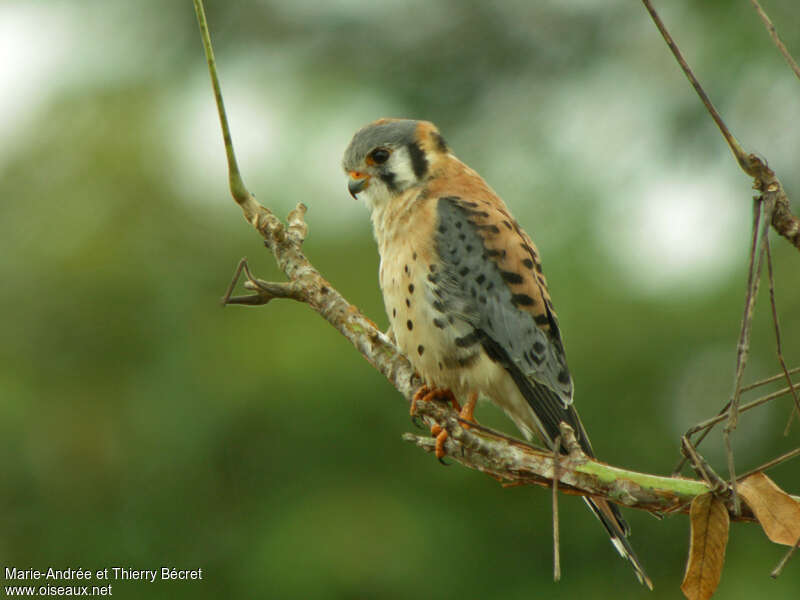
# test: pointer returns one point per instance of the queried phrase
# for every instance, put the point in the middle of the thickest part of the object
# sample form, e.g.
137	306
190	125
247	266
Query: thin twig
771	463
777	570
759	383
773	33
732	406
741	156
556	544
779	351
707	424
702	468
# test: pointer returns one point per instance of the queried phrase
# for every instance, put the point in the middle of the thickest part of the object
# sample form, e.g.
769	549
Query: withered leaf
709	536
777	512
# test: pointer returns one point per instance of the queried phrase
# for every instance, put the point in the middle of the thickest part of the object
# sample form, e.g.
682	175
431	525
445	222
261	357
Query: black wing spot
522	300
438	323
563	376
511	277
541	320
538	347
463	272
527	262
470	339
507	224
480	279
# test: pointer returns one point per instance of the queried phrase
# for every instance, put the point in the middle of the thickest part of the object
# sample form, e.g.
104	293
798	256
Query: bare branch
784	222
773	33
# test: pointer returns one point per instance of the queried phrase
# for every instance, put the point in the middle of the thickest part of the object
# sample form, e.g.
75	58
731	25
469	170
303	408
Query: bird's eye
379	156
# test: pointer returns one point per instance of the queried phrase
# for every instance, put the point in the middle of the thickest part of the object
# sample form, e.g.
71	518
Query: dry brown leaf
777	512
709	536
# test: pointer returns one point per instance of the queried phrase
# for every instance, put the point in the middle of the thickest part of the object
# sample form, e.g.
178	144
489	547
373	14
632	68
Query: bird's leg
467	412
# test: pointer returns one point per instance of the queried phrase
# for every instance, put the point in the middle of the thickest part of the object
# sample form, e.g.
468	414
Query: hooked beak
357	182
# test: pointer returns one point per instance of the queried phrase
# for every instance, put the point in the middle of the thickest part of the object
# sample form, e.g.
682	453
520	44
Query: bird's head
389	156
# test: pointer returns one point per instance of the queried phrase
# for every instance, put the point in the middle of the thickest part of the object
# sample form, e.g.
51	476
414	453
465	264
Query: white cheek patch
400	165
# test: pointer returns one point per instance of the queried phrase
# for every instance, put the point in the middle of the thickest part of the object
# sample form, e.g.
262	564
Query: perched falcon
464	289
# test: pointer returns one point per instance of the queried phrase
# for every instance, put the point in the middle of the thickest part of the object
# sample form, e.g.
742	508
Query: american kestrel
463	287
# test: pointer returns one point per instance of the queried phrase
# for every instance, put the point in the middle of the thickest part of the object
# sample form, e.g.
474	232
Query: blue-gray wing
491	279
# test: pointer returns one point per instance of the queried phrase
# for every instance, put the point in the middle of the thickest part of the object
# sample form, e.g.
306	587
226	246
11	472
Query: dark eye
379	155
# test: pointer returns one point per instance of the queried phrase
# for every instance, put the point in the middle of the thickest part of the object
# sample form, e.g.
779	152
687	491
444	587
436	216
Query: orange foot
426	394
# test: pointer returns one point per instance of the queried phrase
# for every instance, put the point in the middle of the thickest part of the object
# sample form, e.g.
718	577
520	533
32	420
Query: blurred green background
141	425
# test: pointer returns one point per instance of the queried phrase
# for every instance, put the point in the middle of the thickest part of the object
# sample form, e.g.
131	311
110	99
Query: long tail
550	411
618	531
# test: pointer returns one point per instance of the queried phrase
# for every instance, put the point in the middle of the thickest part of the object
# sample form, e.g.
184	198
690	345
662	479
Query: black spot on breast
419	163
438	323
410	288
405	268
480	279
438	306
522	300
408	303
420	349
433	278
394	312
442	229
468	248
511	277
458	224
410	325
414	256
463	272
